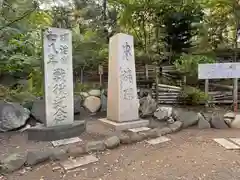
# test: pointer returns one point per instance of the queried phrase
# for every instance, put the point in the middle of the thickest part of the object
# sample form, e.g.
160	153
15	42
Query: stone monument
59	97
122	109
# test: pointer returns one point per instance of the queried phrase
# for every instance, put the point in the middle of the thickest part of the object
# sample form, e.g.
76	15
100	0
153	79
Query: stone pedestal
122	104
58	77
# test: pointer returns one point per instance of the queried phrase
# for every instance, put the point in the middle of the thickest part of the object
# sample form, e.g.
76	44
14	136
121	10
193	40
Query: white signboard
219	71
58	76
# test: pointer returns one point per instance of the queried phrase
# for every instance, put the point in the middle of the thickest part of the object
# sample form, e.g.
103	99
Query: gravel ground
190	155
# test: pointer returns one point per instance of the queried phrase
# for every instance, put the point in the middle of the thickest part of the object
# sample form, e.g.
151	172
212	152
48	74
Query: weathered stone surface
12	116
122	100
218	122
143	93
84	94
147	106
59	154
37	157
228	121
163	113
92	103
119	126
12	163
125	139
170	120
153	133
76	151
158	140
95	146
176	126
103	102
42	133
112	142
63	142
78	162
230	115
135	137
164	131
189	118
236	122
77	104
58	78
38	110
202	122
95	92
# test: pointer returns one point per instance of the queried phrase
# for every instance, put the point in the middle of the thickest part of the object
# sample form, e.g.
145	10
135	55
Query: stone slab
78	162
139	129
58	76
226	144
235	140
120	126
66	141
122	87
42	133
158	140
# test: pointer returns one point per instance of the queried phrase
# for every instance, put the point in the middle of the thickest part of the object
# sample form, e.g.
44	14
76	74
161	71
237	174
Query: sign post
221	71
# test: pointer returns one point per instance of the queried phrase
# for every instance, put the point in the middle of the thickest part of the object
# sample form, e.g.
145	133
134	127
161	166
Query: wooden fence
145	75
149	75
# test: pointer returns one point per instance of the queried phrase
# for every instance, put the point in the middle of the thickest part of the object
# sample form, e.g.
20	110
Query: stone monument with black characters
59	95
122	109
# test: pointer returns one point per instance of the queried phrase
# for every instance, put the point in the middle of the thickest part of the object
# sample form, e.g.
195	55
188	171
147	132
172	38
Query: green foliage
188	64
180	27
193	96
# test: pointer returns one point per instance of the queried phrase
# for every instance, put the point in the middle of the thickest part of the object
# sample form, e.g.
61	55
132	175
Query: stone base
42	133
119	126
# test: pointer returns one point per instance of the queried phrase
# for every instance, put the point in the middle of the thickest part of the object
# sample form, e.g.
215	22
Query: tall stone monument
58	78
122	109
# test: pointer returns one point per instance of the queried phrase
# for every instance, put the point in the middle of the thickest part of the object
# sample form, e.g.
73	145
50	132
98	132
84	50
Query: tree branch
19	18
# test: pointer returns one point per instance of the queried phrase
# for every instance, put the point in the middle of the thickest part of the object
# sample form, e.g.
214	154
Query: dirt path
190	155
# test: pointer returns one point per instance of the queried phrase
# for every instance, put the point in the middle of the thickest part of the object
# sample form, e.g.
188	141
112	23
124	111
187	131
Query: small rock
76	151
153	133
163	113
189	118
218	122
164	131
228	121
176	126
12	163
103	102
135	137
77	104
236	122
230	115
95	92
38	110
37	157
59	154
170	120
147	106
143	93
125	139
95	146
112	142
84	94
12	116
202	122
92	103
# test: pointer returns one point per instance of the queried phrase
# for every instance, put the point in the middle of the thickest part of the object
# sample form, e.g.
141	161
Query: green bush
187	65
193	96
